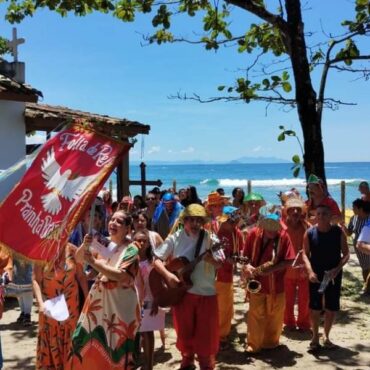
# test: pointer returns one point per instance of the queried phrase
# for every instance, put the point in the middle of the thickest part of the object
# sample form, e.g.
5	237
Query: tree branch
359	57
196	97
260	12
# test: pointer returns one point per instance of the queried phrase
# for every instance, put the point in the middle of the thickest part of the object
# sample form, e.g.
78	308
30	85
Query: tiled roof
13	90
44	117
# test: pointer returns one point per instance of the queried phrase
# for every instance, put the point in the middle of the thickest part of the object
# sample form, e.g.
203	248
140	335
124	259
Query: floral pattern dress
54	337
105	333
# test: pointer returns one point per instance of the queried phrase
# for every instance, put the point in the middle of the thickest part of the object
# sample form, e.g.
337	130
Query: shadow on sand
341	356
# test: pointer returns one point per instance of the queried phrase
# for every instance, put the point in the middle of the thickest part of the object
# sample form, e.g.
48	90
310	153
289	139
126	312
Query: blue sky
98	64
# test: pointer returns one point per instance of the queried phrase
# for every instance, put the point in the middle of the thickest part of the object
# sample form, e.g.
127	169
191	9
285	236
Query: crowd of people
171	245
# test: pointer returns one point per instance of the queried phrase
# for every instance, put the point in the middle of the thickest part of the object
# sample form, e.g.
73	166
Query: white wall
12	141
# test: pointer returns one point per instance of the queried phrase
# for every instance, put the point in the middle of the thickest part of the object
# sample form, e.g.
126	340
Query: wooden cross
144	182
13	44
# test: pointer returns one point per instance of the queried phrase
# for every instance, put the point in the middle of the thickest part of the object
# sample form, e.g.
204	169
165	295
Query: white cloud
257	149
36	139
154	149
190	149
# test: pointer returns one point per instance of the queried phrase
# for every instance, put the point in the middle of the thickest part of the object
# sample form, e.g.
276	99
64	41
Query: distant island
241	160
251	160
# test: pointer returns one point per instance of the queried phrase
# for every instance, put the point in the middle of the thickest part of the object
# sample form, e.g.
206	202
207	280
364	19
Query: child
153	318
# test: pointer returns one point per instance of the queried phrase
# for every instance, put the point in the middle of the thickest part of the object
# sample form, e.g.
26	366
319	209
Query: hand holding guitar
172	280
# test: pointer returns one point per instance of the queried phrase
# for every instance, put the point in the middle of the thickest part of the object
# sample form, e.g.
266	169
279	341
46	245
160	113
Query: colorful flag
39	214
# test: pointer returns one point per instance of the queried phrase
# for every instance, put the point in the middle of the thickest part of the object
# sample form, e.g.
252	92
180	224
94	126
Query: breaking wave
273	183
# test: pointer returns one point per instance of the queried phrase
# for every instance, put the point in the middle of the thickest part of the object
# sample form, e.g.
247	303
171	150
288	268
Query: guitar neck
196	260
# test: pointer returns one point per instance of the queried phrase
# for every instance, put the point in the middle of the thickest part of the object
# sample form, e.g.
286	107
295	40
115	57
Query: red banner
39	214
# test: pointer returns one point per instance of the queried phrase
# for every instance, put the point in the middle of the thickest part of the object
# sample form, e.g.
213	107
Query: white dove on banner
61	185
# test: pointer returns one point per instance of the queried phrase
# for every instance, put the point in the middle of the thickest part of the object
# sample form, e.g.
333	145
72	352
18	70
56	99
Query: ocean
267	179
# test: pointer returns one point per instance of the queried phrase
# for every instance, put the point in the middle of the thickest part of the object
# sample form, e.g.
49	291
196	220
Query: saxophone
253	285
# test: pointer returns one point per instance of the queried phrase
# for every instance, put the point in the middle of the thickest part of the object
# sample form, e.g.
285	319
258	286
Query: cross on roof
13	44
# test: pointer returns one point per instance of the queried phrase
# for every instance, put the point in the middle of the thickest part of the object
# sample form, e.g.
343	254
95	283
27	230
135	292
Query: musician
270	251
296	279
196	317
232	239
325	250
214	206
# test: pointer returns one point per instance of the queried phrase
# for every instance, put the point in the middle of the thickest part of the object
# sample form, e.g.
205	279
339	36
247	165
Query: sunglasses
151	198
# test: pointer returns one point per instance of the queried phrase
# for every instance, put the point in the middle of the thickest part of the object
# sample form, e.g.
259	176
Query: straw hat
194	210
295	203
215	199
270	222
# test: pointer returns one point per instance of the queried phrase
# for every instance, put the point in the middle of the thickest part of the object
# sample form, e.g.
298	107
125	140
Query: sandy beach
351	333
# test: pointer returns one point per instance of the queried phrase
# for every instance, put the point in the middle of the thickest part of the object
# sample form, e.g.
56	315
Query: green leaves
362	21
348	52
162	18
192	6
296	159
125	11
17	11
265	36
278	81
161	36
214	23
145	6
3	46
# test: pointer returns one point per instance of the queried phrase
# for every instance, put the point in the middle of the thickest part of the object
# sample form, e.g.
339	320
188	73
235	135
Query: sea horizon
267	179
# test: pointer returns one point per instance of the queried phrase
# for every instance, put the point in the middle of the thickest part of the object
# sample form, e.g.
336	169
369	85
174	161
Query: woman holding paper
105	333
58	283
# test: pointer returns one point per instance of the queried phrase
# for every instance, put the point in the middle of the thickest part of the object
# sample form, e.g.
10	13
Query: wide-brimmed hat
215	199
270	222
253	197
194	210
295	203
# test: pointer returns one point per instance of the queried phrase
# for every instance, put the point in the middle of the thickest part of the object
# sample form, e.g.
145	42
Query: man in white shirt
196	316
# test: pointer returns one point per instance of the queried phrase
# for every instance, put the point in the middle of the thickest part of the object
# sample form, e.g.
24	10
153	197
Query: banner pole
92	215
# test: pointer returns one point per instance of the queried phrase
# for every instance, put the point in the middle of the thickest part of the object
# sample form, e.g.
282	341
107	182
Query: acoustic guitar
166	296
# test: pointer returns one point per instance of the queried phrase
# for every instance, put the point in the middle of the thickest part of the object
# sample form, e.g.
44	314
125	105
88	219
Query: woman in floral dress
54	337
105	333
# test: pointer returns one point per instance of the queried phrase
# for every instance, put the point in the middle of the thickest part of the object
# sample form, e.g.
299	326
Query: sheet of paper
56	308
105	252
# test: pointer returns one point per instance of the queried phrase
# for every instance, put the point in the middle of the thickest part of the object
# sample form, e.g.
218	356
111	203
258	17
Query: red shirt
327	201
296	237
276	251
233	245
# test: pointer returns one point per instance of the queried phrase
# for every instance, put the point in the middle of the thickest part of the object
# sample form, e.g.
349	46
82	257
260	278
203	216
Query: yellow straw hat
194	210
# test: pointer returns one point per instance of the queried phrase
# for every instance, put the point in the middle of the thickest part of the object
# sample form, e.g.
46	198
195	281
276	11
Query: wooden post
143	179
174	186
123	177
343	198
249	186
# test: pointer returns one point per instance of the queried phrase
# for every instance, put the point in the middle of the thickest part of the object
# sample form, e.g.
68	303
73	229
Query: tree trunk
305	94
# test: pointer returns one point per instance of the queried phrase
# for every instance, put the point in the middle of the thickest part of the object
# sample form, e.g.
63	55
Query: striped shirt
355	226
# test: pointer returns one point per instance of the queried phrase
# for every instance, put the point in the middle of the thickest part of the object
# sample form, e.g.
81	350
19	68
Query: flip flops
314	346
327	344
